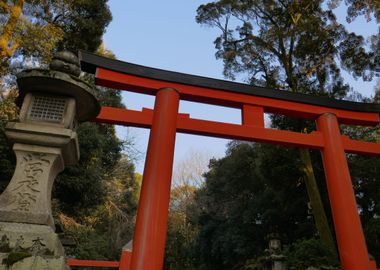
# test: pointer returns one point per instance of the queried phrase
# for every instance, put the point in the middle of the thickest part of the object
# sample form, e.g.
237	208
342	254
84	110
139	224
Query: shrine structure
165	121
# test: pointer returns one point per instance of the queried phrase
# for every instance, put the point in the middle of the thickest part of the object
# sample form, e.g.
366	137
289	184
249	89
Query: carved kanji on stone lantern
44	141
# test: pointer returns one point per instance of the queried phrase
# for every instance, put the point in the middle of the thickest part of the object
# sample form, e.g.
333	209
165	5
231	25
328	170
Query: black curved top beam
89	63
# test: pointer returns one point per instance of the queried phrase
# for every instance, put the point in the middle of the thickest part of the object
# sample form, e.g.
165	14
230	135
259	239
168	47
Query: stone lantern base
30	246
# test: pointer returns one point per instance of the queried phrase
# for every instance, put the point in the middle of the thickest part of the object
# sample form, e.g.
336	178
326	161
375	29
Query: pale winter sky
163	34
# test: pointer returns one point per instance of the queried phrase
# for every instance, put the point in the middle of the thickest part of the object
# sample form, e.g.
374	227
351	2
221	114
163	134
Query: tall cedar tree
296	46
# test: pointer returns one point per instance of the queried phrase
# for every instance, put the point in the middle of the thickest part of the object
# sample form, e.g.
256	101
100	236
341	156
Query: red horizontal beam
92	263
360	147
188	125
132	83
249	133
125	117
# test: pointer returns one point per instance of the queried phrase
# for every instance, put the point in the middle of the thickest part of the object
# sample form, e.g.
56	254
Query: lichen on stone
14	257
4	244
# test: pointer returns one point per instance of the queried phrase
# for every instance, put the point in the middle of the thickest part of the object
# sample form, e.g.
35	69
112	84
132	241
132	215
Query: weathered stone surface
42	135
44	141
48	103
37	263
27	198
66	62
41	151
59	84
29	246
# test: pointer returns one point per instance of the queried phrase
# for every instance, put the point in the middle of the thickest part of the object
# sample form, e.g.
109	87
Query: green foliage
82	187
182	232
297	46
254	191
14	257
26	29
358	8
372	233
305	253
90	17
103	231
259	263
294	45
91	244
95	200
8	111
365	177
33	30
7	158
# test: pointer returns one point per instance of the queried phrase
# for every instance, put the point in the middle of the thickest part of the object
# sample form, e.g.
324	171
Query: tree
377	92
253	192
365	176
357	8
95	200
181	232
7	50
8	111
102	233
297	46
87	197
91	17
190	170
33	30
28	31
69	25
310	253
82	187
293	45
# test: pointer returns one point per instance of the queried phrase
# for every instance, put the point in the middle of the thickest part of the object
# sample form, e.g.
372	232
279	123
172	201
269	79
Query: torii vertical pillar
350	237
152	216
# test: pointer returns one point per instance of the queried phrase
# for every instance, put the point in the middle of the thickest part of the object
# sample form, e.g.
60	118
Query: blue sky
163	34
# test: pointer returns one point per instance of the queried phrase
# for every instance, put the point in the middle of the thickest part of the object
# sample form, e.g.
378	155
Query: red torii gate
164	121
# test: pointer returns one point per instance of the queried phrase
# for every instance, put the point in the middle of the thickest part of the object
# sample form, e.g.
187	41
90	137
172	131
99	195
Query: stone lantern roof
61	79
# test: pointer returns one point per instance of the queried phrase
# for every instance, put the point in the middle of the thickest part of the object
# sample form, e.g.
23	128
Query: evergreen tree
251	193
30	30
95	200
296	46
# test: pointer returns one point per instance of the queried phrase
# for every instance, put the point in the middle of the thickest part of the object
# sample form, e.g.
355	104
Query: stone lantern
44	140
275	257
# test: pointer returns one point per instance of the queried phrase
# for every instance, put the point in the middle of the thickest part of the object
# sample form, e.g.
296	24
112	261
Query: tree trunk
319	214
6	48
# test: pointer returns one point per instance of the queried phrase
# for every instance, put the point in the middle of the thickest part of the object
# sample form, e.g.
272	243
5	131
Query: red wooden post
126	256
351	243
252	115
373	265
125	260
150	231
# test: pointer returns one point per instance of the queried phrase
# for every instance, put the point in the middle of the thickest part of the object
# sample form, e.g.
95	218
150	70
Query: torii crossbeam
165	121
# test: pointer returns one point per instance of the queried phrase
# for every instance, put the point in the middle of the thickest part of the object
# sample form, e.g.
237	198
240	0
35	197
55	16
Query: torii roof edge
89	62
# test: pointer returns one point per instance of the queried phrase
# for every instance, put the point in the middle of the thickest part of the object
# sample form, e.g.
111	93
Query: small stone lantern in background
275	257
44	141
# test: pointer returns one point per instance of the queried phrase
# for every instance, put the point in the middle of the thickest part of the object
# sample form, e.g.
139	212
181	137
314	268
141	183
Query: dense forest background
95	201
224	216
